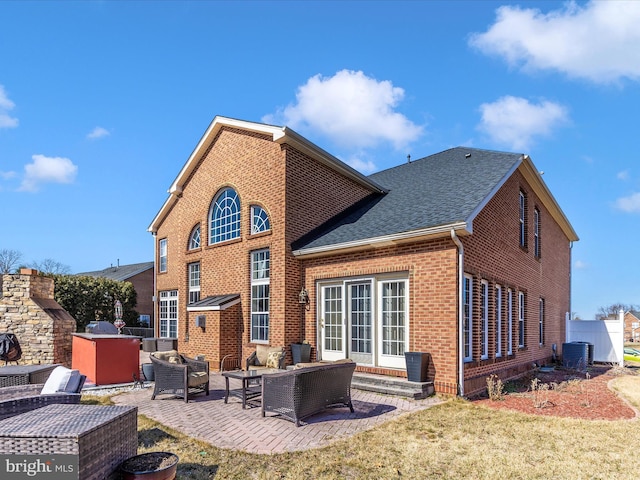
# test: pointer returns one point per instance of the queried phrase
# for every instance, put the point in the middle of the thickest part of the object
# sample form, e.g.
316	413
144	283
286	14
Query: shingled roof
429	196
121	272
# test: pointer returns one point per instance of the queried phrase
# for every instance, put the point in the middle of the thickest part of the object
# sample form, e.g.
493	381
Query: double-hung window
536	233
468	318
498	318
541	323
162	267
523	219
509	322
260	295
194	282
484	319
521	319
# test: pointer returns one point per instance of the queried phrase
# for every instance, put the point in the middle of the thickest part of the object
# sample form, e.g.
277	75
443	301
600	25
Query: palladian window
224	217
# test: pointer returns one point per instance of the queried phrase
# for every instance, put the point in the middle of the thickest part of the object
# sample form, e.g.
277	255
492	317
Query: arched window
194	238
259	220
224	217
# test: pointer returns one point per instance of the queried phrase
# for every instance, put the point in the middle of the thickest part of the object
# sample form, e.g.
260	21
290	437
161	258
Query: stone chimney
42	326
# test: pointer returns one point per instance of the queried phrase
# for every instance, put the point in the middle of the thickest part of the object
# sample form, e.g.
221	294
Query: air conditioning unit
200	321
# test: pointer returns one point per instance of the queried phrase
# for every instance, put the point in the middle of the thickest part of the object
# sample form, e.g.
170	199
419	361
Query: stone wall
42	326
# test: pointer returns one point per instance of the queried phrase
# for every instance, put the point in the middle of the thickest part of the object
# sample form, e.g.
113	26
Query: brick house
267	238
141	276
631	326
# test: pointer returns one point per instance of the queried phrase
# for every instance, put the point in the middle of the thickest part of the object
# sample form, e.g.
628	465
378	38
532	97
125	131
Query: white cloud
47	170
6	121
580	265
7	175
597	41
98	132
350	109
514	121
362	165
630	204
624	175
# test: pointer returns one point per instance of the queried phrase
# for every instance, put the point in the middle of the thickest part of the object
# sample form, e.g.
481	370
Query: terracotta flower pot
150	466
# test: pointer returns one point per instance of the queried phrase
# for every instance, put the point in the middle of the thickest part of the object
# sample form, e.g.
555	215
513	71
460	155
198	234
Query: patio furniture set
294	394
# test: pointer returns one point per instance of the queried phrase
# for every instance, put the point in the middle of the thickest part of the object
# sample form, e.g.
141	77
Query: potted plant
301	352
150	466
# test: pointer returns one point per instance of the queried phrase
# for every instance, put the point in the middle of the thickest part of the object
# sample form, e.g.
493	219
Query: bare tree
9	260
611	311
48	266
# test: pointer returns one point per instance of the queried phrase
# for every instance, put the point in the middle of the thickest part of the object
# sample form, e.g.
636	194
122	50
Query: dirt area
565	393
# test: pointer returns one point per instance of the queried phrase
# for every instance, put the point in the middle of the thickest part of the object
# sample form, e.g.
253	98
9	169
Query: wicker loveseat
302	392
179	375
19	399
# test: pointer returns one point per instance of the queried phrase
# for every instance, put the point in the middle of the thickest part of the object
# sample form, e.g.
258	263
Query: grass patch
454	440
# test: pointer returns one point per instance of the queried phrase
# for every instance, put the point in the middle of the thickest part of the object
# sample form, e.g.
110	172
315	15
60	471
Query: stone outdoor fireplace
42	326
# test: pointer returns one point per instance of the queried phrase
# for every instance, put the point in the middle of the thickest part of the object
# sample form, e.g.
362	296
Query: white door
360	323
332	325
393	323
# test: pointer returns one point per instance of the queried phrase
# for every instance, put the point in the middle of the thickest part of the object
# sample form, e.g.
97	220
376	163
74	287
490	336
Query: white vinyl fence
607	337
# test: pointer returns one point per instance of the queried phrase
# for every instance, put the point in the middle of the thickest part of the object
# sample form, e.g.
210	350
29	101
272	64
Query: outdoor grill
101	328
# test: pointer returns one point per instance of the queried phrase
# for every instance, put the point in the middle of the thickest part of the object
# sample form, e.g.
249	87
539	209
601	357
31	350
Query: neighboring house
140	275
265	238
632	326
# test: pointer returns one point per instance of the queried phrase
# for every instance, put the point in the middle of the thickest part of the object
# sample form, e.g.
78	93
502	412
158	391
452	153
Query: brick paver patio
229	426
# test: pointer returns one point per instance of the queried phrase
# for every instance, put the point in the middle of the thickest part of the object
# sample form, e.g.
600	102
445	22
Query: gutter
458	243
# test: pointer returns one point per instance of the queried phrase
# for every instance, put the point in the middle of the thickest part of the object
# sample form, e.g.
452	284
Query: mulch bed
570	393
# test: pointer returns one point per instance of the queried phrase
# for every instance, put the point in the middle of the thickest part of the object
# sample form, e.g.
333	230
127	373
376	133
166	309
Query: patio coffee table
251	383
24	374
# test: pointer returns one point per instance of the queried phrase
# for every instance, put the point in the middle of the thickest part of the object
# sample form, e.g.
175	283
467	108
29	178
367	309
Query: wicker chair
300	393
179	375
24	398
259	358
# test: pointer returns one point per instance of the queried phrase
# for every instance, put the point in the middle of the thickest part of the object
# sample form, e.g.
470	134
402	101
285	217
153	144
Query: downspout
155	285
458	243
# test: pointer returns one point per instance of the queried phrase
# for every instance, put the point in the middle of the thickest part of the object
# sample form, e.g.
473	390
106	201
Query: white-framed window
194	282
536	232
541	323
194	238
468	318
498	319
260	277
484	319
162	267
259	220
509	322
523	219
521	319
169	314
224	217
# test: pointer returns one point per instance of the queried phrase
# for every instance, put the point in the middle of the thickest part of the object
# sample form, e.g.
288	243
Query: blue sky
101	104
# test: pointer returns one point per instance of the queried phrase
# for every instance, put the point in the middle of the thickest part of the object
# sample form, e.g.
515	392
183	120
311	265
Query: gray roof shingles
121	272
437	190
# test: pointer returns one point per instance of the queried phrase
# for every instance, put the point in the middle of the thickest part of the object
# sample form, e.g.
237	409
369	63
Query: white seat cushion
59	380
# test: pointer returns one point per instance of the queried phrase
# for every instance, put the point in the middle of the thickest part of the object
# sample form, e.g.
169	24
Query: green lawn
451	441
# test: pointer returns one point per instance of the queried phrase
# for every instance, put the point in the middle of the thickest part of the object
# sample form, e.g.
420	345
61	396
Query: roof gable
280	135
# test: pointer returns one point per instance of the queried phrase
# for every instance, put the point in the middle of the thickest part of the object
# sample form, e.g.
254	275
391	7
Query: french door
364	320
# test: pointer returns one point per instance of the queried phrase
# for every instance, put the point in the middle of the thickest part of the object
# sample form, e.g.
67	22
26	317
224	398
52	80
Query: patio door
332	324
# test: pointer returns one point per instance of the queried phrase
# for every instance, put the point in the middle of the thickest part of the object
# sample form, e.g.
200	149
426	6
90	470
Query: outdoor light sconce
200	321
303	297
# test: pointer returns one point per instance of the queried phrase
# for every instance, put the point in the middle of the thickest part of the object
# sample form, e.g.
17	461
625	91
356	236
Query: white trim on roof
280	135
461	228
215	308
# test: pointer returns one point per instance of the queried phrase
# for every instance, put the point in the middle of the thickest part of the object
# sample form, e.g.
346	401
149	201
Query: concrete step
400	387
